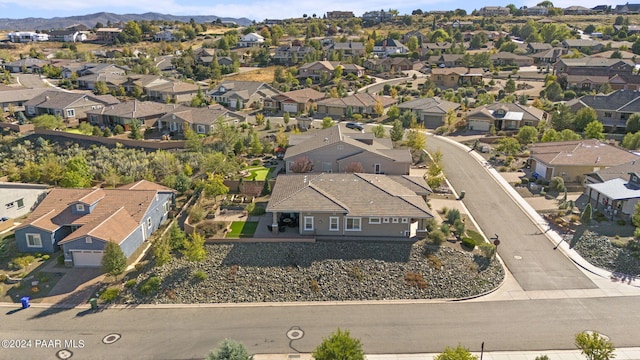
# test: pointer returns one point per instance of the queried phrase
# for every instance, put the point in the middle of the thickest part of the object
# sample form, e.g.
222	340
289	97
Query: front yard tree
508	146
302	165
397	131
378	131
378	108
510	86
327	122
594	346
594	130
49	122
214	186
176	237
286	117
527	135
194	247
457	353
583	118
230	350
563	118
340	345
416	140
114	262
161	251
633	123
550	135
585	218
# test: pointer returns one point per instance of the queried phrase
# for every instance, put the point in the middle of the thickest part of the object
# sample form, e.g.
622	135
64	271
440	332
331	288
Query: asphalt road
189	333
527	252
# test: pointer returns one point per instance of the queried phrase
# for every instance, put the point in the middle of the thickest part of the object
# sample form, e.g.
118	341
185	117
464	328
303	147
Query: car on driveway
355	126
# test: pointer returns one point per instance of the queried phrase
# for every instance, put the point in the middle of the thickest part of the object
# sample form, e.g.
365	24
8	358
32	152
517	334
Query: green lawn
259	173
241	229
73	131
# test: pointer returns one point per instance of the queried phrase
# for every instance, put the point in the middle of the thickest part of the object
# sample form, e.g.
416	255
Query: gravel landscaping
322	271
599	251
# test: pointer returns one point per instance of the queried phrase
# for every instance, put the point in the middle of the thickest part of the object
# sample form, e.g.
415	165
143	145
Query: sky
253	9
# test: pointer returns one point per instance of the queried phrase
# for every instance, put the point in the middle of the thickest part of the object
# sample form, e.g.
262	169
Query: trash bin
461	195
25	302
94	303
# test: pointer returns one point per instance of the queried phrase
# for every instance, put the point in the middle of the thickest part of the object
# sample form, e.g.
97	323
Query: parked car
355	126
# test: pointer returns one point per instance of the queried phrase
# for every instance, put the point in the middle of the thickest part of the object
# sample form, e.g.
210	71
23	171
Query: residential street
527	252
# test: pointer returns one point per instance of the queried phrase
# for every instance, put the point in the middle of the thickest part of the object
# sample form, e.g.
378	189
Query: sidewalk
621	354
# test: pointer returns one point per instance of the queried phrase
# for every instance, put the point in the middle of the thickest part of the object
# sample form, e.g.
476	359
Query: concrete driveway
76	287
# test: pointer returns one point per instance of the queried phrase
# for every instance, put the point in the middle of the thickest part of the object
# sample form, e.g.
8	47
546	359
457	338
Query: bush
110	294
437	236
150	286
118	130
258	211
488	250
46	257
23	261
200	275
196	214
621	244
524	181
3	278
130	283
468	243
107	132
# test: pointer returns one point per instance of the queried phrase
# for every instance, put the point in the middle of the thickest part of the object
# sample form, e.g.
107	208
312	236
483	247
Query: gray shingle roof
430	105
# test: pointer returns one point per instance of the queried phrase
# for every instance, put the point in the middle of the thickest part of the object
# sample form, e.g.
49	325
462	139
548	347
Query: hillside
104	17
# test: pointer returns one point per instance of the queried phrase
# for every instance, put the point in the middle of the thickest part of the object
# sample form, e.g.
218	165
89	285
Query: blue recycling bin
25	302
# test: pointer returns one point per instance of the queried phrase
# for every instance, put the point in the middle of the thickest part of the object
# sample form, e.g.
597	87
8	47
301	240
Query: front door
377	168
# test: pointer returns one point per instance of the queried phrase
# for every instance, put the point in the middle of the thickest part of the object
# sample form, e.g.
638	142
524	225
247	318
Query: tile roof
54	99
19	94
350	194
134	109
203	115
616	172
430	105
590	152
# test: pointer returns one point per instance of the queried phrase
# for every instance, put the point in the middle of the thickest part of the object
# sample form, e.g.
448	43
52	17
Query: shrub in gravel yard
437	236
130	283
200	275
468	243
150	286
109	294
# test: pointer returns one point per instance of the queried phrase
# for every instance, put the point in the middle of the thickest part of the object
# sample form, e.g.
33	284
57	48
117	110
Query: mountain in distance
104	17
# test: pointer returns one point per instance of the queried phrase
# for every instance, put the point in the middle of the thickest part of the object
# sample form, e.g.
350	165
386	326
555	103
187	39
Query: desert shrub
445	228
3	278
22	262
150	286
468	243
109	295
118	129
356	273
524	181
130	283
196	214
431	224
415	279
200	275
434	261
621	244
211	228
314	286
444	210
437	236
488	250
453	215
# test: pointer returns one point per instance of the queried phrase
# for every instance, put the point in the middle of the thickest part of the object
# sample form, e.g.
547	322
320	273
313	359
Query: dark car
355	126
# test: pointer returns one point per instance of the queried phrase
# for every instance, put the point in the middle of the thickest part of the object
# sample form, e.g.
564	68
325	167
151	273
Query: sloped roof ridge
327	195
293	193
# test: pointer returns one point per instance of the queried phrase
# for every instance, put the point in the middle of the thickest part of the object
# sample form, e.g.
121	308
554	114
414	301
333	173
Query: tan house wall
321	226
368	161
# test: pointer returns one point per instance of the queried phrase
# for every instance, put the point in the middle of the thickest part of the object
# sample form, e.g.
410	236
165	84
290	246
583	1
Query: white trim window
80	207
375	220
201	129
34	240
88	240
334	223
352	224
71	113
308	223
149	223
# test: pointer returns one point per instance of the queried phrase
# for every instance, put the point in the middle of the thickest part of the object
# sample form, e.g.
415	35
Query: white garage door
87	258
290	108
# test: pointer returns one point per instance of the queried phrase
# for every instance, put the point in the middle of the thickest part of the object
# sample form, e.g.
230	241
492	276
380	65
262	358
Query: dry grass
259	74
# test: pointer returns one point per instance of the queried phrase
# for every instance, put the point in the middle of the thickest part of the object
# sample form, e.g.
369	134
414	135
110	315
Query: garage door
290	108
432	121
87	258
479	125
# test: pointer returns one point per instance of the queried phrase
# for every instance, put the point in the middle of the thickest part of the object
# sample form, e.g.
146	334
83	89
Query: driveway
76	287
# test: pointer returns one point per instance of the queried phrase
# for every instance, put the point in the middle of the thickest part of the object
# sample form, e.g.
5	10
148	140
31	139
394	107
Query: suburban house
319	70
577	10
494	11
572	160
505	116
82	221
200	120
250	40
613	109
26	36
347	49
123	113
339	149
392	64
294	102
375	17
72	107
582	45
449	60
506	58
107	35
432	112
457	76
388	47
143	82
27	65
548	57
614	172
67	36
627	9
413	33
436	46
242	94
536	47
289	54
113	81
348	206
359	103
340	14
164	35
13	98
19	199
591	72
536	11
174	91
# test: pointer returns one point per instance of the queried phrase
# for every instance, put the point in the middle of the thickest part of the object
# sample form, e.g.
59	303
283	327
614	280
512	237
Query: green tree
114	262
77	173
416	140
568	135
412	43
339	346
378	131
554	92
101	88
136	132
508	146
49	122
286	117
397	131
229	350
563	118
584	117
550	135
327	122
557	184
631	141
214	186
194	248
176	237
594	346
527	135
378	107
393	112
161	251
594	130
510	86
633	123
457	353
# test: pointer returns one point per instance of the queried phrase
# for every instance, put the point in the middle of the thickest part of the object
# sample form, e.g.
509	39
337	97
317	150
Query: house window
405	220
20	203
88	240
374	220
149	222
385	220
10	205
607	114
334	223
395	220
80	207
201	129
308	223
353	224
34	241
166	207
71	113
